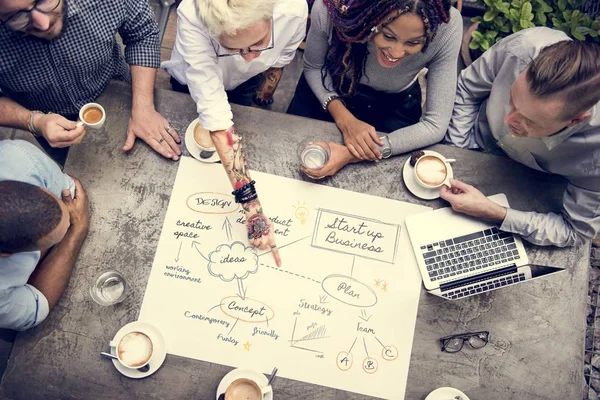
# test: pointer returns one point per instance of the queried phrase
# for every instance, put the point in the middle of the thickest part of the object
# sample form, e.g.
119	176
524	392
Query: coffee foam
202	137
243	389
135	349
431	170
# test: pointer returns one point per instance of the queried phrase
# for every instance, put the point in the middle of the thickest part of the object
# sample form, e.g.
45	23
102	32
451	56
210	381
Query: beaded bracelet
246	193
31	126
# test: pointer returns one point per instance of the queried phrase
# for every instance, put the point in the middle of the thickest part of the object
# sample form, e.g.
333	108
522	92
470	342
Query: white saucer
446	393
160	350
411	182
261	379
194	149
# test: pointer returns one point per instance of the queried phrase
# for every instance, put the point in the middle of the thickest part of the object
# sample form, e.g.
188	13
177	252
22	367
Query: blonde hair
570	71
230	16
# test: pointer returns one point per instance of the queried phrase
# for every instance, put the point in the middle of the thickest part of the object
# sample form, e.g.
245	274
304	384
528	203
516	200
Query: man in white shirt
220	45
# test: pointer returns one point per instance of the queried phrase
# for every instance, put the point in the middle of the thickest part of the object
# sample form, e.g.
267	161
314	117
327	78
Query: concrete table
537	329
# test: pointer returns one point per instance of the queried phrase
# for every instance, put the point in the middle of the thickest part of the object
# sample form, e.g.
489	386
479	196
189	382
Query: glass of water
109	287
313	154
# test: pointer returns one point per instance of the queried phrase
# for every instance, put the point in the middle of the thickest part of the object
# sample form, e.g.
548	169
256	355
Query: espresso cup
246	389
134	350
432	171
203	139
92	115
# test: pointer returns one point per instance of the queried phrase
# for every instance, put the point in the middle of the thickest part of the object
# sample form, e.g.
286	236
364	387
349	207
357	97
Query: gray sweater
440	58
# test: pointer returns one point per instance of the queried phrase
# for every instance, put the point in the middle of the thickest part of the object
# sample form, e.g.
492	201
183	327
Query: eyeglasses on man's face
225	52
21	20
454	343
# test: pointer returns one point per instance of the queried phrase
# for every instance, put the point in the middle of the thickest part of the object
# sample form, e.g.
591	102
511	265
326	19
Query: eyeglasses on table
454	343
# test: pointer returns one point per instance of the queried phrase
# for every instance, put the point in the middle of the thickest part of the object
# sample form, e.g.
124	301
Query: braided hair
353	23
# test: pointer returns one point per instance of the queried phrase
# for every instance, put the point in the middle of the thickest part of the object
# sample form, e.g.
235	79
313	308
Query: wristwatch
386	149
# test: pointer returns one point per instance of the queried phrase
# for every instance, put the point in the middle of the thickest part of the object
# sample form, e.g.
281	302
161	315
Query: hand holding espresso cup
58	131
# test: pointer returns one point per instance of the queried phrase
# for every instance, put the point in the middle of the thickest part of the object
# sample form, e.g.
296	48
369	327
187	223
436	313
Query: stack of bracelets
246	193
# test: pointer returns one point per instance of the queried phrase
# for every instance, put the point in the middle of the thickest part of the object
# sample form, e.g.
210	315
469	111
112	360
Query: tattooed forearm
230	150
268	83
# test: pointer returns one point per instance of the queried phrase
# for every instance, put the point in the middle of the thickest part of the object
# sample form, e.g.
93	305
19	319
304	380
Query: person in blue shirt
43	223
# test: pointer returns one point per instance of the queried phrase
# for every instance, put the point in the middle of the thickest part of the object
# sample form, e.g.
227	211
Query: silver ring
161	140
167	128
274	246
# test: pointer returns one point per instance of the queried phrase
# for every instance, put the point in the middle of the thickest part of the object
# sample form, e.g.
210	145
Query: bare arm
52	275
268	83
145	123
13	114
56	129
230	149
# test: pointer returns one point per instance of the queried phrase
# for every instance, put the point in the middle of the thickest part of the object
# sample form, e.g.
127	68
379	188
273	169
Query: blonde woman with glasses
235	51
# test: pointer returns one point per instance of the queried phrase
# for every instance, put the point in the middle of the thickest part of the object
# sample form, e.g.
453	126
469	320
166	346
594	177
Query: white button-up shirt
482	103
194	61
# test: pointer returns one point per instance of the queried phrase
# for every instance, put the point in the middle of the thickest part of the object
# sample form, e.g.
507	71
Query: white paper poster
340	311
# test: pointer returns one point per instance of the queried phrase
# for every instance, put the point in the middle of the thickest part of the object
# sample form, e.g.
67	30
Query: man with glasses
235	50
57	55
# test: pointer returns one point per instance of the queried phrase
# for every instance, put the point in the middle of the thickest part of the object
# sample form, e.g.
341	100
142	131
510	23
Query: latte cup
92	115
246	389
133	350
203	139
432	171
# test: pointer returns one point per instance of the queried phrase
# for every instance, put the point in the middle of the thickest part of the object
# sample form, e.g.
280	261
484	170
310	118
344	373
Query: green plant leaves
502	18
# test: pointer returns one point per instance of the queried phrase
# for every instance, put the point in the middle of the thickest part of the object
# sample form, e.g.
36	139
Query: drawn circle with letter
389	353
344	361
370	365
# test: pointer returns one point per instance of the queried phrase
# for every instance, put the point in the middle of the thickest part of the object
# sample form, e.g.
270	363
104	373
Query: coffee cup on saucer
246	389
199	144
204	141
246	384
92	115
432	171
134	350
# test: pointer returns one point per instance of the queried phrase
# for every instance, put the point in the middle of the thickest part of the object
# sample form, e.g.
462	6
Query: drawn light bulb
301	213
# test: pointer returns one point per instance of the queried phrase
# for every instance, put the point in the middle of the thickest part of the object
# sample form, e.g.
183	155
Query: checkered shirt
64	74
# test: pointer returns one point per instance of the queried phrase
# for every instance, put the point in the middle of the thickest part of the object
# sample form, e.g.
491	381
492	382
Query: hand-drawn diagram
339	312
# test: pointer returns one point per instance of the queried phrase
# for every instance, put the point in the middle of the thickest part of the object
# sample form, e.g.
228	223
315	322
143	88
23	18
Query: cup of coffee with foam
246	389
432	170
92	115
134	350
204	141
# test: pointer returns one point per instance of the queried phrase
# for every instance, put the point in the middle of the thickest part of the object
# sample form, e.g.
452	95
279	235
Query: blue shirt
22	306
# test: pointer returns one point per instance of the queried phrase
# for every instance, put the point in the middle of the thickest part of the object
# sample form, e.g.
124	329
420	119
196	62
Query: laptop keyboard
468	253
485	286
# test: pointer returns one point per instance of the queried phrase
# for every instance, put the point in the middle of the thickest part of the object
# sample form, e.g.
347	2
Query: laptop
460	256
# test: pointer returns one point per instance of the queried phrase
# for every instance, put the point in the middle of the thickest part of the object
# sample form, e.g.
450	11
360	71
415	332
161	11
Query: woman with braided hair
361	65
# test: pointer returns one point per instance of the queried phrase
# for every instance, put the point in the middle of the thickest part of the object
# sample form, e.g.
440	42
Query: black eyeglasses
22	19
242	52
454	343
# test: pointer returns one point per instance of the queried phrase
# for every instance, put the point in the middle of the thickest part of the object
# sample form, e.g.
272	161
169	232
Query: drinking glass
109	288
313	154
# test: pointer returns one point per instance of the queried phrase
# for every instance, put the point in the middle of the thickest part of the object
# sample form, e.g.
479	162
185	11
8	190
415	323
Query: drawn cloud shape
228	262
